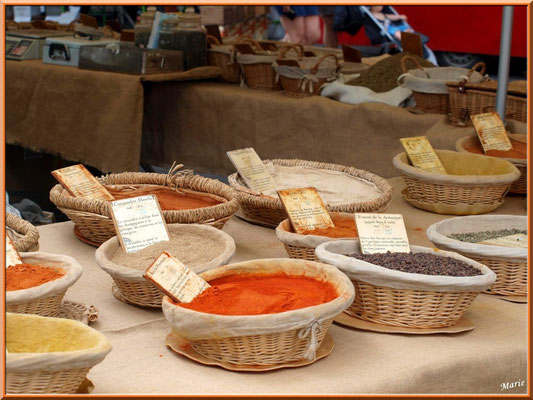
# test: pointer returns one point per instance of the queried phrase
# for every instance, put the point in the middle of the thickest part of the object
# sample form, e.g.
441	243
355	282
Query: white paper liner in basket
105	252
194	325
335	253
438	234
72	332
70	266
433	80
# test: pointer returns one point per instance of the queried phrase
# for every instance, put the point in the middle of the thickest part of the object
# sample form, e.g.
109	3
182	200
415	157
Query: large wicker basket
45	299
475	184
50	366
269	211
130	286
509	264
396	298
268	339
223	56
93	218
519	186
27	235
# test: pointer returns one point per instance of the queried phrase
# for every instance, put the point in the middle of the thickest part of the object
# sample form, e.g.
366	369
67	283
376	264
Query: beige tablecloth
479	361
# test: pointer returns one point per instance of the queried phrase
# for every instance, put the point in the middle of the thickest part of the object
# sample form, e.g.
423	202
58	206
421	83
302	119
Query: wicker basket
404	299
28	235
269	211
61	371
474	184
130	286
45	299
303	246
468	99
519	186
509	264
268	339
93	219
223	57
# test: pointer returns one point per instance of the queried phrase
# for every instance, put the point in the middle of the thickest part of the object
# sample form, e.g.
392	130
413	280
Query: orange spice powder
261	294
24	276
344	228
168	198
519	150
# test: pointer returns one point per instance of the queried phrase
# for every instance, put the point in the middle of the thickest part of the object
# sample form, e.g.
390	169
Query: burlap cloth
479	361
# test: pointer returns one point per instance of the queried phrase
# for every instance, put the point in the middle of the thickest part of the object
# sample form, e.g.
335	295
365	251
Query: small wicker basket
28	235
268	339
405	299
45	299
475	183
509	264
223	56
269	211
519	186
93	218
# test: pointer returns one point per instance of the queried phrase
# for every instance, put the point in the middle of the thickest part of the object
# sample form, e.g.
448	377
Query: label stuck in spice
79	182
519	240
175	279
379	233
422	155
139	222
252	169
305	209
12	255
491	132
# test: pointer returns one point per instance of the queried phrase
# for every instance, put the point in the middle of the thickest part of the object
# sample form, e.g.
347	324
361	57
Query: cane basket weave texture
47	306
30	235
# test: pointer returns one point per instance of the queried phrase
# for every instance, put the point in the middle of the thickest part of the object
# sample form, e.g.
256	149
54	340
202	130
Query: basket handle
213	40
298	48
404	66
480	65
314	70
248	40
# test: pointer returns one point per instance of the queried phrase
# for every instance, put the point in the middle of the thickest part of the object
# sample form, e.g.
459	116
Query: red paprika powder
519	150
344	228
261	294
24	276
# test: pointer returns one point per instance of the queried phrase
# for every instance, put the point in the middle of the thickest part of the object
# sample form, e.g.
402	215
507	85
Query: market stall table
479	361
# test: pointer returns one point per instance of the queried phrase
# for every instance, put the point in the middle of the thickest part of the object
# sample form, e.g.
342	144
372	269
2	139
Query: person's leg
294	29
311	29
330	37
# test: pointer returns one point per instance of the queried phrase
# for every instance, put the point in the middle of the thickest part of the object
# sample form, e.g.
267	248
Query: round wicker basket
519	186
509	264
93	218
223	56
475	184
27	234
267	339
269	211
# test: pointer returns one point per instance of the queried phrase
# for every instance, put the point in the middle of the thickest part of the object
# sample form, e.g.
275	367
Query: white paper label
379	233
139	222
252	169
518	240
79	182
491	132
177	280
12	255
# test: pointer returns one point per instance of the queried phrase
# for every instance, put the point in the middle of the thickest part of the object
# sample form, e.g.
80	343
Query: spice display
169	199
344	228
192	247
383	75
143	29
519	150
24	276
476	237
261	294
420	263
334	187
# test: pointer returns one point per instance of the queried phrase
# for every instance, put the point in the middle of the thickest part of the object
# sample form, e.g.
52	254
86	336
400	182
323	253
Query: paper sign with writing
421	154
491	132
379	233
175	279
305	209
79	182
252	169
518	240
139	222
12	255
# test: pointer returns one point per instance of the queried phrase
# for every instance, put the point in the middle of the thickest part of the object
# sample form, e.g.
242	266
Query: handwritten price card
12	255
421	154
79	182
379	233
252	169
491	132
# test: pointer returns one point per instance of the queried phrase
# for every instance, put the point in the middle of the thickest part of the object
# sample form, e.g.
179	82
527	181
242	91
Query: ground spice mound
476	237
383	75
420	263
261	294
168	198
519	150
24	276
344	227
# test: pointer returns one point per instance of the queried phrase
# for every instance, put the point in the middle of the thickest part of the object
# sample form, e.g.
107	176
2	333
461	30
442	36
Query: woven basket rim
30	238
275	203
400	162
460	143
